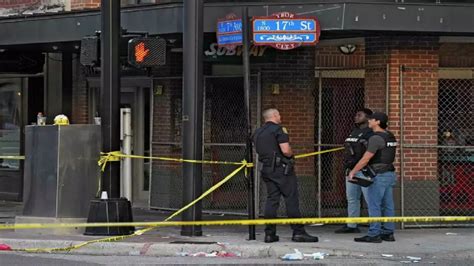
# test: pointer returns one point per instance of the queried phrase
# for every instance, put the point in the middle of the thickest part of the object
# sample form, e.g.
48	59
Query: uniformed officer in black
276	166
380	155
354	147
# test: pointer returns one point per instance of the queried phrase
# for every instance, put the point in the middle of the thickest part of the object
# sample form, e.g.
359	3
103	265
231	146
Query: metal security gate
332	98
340	94
224	140
437	169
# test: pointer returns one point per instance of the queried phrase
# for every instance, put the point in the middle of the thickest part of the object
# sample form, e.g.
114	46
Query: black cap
366	111
382	117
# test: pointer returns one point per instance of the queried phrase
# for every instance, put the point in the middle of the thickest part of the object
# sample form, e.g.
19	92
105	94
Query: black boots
271	238
369	239
388	237
347	230
304	237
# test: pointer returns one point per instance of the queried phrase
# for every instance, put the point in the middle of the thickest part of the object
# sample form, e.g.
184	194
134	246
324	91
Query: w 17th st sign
285	30
229	31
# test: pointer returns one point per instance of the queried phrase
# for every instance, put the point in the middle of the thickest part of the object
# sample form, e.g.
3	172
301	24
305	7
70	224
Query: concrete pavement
455	243
424	243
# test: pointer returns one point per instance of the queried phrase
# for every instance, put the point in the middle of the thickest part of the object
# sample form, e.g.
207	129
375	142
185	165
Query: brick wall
330	56
80	105
295	101
456	55
420	57
18	3
84	4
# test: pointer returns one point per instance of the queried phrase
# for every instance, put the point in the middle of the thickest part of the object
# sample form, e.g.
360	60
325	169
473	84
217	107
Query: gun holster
288	165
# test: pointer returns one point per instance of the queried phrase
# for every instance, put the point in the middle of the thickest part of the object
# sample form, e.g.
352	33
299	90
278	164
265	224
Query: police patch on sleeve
284	130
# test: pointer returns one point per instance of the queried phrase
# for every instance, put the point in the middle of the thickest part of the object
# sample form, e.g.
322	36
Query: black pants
279	184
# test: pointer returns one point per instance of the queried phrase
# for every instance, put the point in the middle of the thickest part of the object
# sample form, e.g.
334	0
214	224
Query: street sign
229	31
285	30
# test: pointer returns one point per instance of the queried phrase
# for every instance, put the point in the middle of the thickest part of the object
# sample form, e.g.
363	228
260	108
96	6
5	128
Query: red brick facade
420	56
18	3
293	73
84	4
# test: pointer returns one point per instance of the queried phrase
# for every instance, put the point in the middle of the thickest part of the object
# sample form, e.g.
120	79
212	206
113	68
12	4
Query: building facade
412	60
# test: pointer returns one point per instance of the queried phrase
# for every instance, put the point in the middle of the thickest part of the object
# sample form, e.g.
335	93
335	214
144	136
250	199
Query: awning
164	19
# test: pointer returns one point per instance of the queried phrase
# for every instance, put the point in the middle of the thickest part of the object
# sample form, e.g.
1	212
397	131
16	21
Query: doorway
136	95
10	137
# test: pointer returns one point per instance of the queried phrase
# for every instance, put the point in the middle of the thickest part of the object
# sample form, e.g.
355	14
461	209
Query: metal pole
192	112
110	84
258	123
402	159
320	118
249	155
387	89
126	136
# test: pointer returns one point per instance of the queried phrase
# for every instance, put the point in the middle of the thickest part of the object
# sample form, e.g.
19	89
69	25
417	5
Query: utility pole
249	146
110	91
192	112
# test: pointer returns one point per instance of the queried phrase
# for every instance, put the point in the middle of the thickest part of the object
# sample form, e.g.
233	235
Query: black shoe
369	239
387	237
305	237
271	238
347	230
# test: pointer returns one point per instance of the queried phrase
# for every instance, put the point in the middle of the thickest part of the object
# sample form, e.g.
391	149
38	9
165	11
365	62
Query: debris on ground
212	254
5	247
413	258
387	255
451	234
293	256
316	255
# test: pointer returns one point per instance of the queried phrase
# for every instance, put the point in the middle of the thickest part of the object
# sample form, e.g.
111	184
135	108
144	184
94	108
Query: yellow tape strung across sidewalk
12	157
282	221
115	156
139	232
317	153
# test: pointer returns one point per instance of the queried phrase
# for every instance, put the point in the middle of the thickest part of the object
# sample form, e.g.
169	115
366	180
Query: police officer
379	156
355	146
276	166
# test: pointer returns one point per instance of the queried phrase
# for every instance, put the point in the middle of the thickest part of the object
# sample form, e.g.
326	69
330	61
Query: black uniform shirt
267	140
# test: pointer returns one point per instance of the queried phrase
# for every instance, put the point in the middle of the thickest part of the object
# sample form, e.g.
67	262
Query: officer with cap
276	163
355	146
379	156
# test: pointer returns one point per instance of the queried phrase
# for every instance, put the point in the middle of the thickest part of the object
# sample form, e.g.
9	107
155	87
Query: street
61	259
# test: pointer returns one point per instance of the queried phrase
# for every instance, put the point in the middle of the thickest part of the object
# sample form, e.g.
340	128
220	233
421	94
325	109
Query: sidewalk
424	243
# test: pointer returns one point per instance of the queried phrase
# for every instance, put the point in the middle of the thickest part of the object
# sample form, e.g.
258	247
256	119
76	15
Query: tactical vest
266	143
355	146
385	156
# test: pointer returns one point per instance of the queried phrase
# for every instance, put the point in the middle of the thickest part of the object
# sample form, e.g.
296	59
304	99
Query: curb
256	250
161	249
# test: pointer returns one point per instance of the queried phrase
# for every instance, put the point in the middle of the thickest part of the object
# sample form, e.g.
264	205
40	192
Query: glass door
10	137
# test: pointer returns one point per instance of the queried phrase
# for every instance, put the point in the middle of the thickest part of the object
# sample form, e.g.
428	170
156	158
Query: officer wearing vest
355	146
380	155
276	163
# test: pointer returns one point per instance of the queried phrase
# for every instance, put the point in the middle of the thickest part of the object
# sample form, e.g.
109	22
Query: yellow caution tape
117	238
115	156
282	221
6	157
317	153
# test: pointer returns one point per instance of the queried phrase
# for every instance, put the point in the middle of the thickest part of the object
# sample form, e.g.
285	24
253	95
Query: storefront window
10	106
